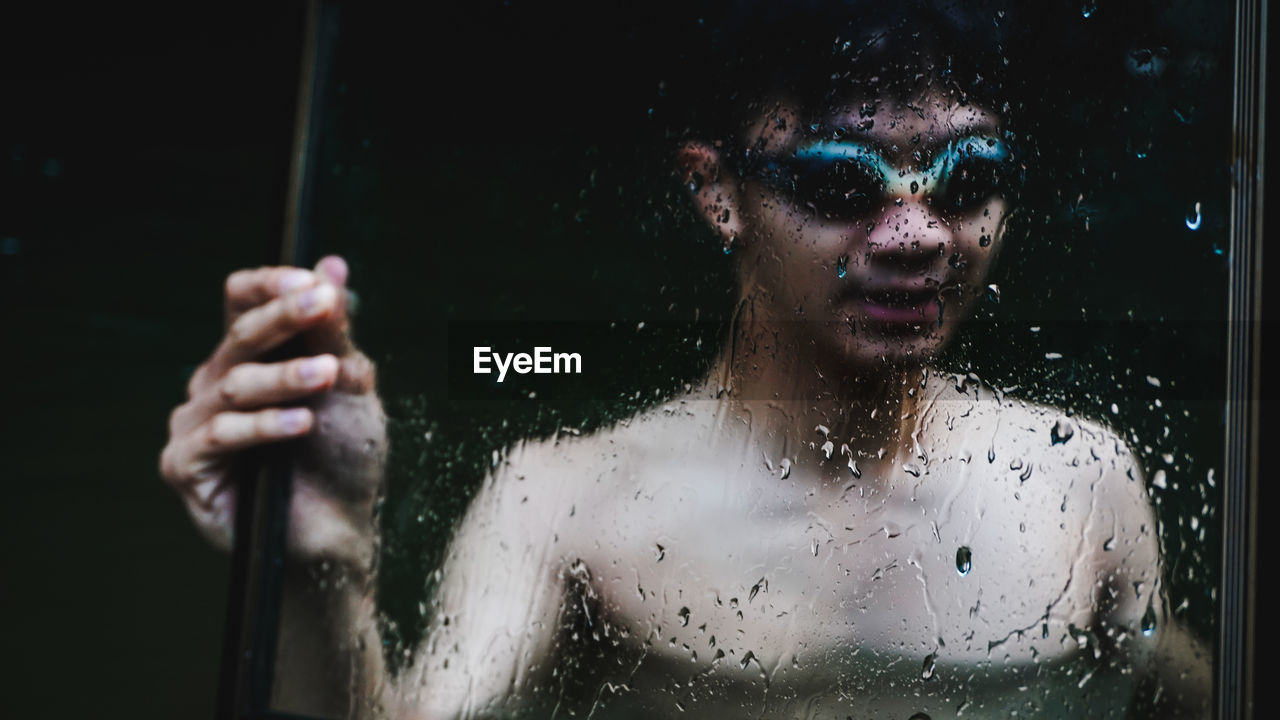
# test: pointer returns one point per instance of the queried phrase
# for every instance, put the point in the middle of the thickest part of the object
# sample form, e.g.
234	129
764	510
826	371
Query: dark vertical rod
262	509
1239	546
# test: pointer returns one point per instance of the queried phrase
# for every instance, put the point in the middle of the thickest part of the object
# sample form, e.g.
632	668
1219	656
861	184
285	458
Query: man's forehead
890	123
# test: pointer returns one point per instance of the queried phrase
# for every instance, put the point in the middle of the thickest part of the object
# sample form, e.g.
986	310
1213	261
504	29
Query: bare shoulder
1066	452
572	470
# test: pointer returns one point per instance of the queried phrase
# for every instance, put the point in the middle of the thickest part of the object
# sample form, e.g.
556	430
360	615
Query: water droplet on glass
828	447
964	560
786	468
1061	432
1149	621
926	672
1194	218
695	182
920	716
915	187
993	293
1088	9
684	616
662	552
842	266
1081	637
911	469
984	240
1159	480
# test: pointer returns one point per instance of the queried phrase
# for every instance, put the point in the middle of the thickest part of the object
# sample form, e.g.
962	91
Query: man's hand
236	401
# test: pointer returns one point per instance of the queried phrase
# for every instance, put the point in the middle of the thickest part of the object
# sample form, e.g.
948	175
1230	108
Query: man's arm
493	624
1172	665
491	627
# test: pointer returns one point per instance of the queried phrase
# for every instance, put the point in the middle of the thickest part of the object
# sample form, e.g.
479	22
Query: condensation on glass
898	338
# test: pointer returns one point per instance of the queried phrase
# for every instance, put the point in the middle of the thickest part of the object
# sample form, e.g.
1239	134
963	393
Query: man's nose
909	235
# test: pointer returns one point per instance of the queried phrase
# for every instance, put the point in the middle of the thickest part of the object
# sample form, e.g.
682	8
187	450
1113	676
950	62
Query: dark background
144	153
144	158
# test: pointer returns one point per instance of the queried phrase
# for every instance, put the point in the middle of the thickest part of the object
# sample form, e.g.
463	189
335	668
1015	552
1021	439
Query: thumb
333	269
333	334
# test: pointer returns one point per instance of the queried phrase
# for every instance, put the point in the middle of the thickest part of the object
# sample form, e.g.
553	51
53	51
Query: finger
188	459
213	508
268	326
208	495
254	385
333	268
247	289
333	334
232	431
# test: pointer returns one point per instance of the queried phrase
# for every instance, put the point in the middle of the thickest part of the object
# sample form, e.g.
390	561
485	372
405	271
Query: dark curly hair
820	52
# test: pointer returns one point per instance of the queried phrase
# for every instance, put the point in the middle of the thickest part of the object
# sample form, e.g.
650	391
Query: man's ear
714	190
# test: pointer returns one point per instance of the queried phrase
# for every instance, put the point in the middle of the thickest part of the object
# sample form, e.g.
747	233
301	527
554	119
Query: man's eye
970	185
844	190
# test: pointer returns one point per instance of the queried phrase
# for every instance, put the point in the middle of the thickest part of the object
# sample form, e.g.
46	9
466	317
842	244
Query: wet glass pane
778	361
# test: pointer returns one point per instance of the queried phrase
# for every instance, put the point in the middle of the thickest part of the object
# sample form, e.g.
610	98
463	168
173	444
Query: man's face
870	230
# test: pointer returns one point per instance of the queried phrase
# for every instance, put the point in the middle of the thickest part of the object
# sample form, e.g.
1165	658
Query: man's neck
796	397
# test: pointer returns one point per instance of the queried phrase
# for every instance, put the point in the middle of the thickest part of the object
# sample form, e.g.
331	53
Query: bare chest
888	582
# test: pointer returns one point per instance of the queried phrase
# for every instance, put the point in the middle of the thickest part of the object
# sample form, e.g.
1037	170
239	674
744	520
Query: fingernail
204	490
312	370
292	421
293	280
315	300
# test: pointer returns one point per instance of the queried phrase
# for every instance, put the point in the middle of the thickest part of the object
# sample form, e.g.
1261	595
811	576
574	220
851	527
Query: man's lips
910	305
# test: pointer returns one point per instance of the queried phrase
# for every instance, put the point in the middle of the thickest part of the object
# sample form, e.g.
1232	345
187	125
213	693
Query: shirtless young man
824	527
